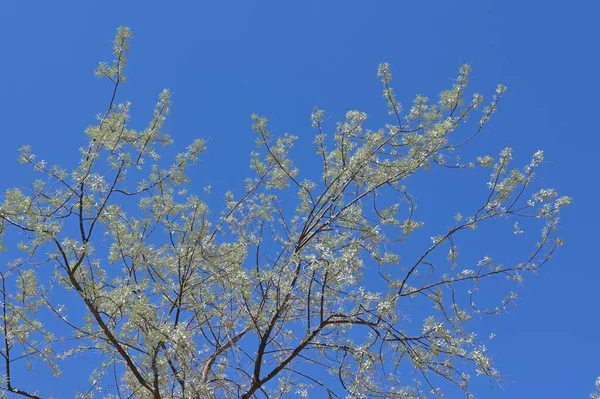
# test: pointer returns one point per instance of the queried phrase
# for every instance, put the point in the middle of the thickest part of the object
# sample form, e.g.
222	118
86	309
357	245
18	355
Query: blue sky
224	60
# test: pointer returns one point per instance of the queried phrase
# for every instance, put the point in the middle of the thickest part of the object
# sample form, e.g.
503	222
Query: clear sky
224	60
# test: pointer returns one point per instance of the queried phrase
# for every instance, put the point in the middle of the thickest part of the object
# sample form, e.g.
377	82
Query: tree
267	299
596	395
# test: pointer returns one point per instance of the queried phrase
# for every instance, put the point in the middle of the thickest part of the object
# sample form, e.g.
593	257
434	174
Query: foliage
268	298
596	395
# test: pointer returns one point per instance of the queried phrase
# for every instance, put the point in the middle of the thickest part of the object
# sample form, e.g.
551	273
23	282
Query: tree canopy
297	286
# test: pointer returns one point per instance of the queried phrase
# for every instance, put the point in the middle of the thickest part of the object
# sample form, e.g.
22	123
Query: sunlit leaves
596	395
296	271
